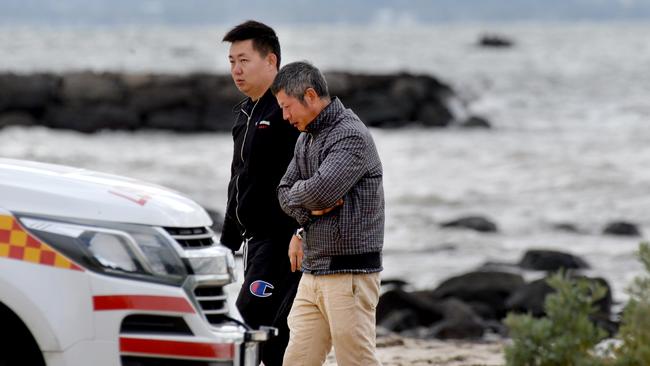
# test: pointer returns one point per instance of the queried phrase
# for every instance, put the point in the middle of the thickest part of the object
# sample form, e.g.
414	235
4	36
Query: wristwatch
300	233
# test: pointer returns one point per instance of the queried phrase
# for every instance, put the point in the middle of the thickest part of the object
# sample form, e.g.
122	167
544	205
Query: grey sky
200	12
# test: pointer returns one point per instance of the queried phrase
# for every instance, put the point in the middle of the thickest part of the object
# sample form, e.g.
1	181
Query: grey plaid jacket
336	158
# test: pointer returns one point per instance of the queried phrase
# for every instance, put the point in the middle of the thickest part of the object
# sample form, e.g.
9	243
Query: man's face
251	72
297	113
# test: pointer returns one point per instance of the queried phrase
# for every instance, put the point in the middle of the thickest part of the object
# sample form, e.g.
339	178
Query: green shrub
634	333
566	335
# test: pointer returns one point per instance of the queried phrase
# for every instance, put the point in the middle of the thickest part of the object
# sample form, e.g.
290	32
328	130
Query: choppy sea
569	104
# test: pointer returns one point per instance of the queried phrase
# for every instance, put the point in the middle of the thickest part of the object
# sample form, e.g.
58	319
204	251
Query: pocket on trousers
366	290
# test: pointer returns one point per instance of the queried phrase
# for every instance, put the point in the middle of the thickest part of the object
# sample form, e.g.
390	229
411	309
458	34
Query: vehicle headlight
124	250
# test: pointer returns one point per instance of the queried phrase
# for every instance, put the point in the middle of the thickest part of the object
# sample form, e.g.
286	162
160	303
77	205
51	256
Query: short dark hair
295	78
263	37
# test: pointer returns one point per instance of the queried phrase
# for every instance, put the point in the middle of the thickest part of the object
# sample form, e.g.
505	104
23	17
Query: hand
326	210
295	253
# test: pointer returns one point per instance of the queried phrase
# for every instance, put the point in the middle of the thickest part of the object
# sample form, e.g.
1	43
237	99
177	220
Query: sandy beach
394	350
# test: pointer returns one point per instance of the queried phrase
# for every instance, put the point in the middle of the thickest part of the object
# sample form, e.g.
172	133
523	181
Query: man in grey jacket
333	188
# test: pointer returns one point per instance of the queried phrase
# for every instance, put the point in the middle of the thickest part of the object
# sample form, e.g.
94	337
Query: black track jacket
263	147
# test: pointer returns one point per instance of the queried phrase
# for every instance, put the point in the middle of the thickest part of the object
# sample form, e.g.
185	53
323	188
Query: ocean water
569	104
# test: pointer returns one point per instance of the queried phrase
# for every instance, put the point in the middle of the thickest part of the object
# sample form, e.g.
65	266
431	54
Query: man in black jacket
263	148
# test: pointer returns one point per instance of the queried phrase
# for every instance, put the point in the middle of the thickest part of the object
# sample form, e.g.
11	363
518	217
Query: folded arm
341	169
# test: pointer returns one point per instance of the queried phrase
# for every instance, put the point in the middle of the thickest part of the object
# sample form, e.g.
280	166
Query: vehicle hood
54	190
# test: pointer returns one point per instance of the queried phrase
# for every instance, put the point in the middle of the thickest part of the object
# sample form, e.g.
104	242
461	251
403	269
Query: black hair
264	39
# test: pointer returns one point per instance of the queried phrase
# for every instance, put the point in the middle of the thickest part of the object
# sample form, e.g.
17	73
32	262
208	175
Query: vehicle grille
192	238
156	324
213	302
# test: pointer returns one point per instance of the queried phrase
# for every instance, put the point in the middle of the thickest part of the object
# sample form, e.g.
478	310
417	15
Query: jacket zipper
241	155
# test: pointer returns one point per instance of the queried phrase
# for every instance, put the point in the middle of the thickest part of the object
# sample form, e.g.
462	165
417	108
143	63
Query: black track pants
267	293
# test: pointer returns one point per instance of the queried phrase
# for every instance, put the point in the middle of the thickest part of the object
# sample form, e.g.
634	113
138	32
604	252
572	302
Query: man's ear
272	59
311	96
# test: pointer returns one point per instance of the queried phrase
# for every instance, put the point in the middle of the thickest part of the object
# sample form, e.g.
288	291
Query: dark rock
16	119
603	305
90	88
156	98
218	89
400	320
207	99
477	223
393	100
27	92
493	40
491	288
92	119
460	322
409	312
605	323
566	227
484	310
475	122
530	298
380	110
421	307
551	260
622	228
219	96
137	81
434	115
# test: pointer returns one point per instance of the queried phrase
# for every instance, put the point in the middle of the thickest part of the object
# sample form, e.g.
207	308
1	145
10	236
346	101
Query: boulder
27	92
434	114
393	100
156	98
551	260
16	119
475	122
478	223
495	40
622	228
90	88
417	307
490	288
460	322
530	298
566	227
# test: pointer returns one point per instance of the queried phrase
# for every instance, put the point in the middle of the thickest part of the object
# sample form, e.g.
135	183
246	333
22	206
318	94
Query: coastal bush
634	333
567	337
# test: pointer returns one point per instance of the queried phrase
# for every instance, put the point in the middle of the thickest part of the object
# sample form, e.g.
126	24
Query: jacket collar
247	102
326	117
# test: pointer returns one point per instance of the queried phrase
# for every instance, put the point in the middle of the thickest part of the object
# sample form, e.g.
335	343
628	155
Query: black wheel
17	345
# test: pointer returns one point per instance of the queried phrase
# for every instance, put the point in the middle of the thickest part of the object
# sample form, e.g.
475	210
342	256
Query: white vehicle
102	270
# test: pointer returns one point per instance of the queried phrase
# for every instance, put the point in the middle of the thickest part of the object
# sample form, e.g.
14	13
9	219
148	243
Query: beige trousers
336	309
